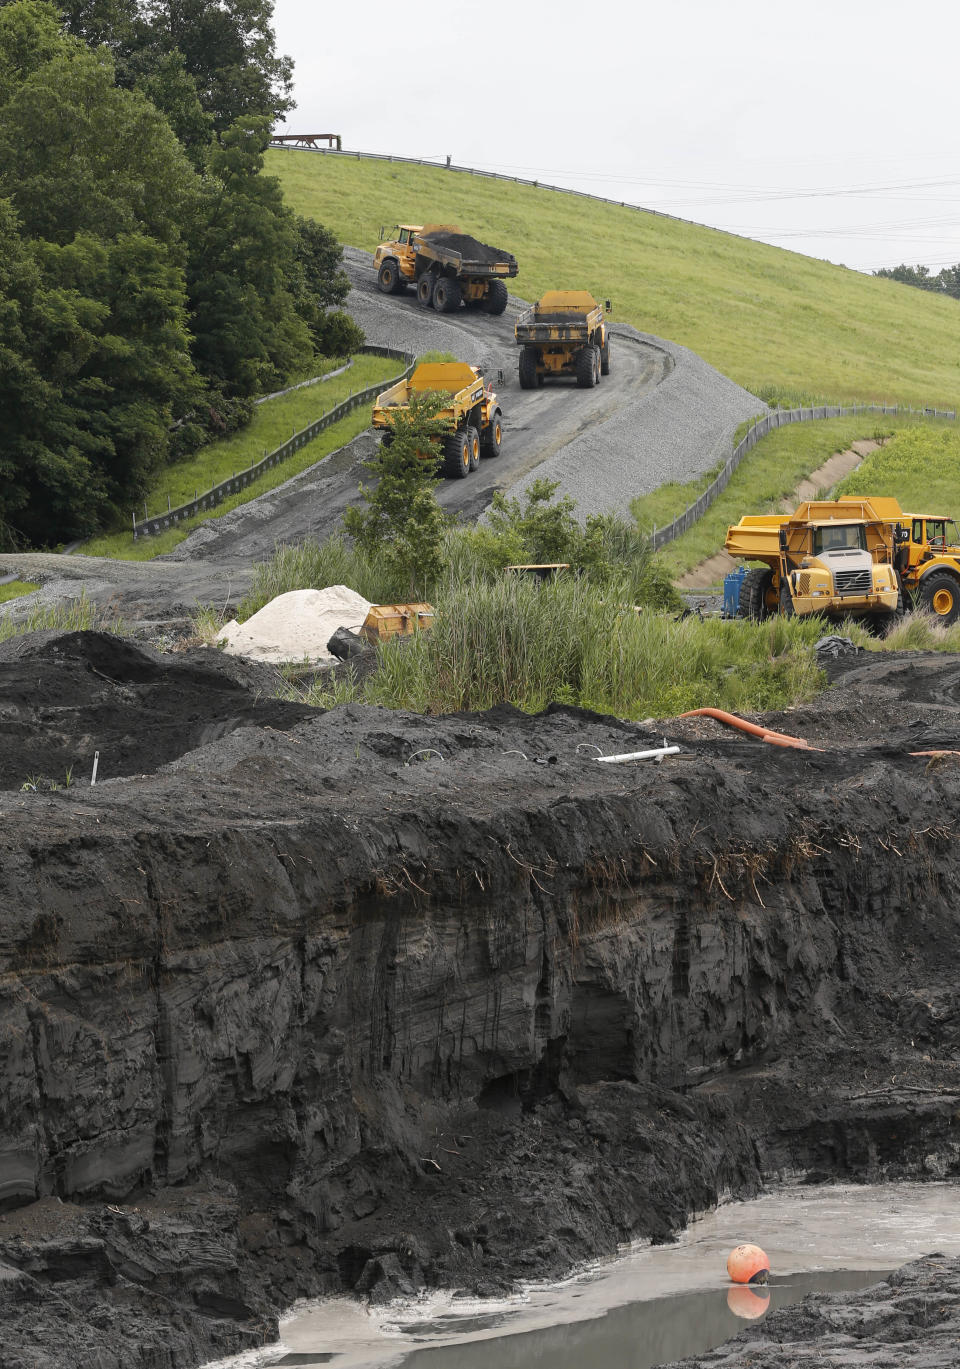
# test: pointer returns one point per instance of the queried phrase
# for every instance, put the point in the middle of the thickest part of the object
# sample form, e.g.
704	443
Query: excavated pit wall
362	1025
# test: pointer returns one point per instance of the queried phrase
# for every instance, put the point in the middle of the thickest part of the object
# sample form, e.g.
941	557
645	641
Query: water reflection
639	1335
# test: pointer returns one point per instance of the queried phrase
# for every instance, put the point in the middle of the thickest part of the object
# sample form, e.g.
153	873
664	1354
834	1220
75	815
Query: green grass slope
766	317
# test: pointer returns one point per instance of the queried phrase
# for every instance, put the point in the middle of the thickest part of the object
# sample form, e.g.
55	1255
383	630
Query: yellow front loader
472	414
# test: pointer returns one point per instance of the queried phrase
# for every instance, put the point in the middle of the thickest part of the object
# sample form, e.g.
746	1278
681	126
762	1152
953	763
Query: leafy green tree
402	525
96	187
229	49
243	240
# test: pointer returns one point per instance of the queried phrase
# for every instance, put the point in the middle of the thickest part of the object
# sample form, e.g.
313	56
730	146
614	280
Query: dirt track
214	565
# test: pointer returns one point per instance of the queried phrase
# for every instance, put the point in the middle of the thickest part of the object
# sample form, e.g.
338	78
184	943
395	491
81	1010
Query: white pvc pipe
638	755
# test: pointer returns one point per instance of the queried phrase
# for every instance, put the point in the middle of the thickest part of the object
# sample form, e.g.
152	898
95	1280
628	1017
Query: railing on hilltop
151	526
778	418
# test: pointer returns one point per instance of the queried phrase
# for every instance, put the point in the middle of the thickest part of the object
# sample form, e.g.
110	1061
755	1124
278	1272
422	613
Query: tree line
945	282
152	281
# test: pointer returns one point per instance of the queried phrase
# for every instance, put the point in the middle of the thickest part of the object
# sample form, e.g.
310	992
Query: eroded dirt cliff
363	1000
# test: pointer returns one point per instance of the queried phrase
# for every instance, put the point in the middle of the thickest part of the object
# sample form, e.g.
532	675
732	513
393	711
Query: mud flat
287	1009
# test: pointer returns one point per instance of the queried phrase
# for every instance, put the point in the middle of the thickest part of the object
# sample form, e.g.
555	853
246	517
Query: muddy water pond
652	1304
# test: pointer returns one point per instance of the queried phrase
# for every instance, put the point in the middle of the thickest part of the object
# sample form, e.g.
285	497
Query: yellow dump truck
447	267
922	548
473	414
563	334
825	558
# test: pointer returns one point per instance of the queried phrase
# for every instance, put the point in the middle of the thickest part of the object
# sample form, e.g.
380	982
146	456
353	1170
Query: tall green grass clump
919	466
73	615
530	644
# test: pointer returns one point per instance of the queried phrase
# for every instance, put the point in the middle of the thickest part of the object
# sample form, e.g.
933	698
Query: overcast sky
832	129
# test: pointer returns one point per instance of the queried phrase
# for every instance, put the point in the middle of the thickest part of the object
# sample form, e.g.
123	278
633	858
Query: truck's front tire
447	295
456	455
940	596
586	365
528	368
495	300
753	594
389	279
605	358
786	600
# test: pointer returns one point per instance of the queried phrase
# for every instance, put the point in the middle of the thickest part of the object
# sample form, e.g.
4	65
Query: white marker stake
96	762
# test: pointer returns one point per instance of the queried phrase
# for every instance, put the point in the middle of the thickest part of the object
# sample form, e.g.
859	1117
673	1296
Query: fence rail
778	418
151	526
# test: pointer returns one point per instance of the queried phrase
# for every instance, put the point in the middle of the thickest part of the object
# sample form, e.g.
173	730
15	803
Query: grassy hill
777	322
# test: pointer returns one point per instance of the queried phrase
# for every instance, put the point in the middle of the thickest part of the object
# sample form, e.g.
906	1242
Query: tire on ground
389	279
940	596
447	295
528	368
753	594
473	443
425	287
786	599
492	438
456	455
495	300
586	365
605	357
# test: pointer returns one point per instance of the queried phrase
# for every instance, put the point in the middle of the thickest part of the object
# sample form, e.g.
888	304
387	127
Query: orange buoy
748	1264
748	1303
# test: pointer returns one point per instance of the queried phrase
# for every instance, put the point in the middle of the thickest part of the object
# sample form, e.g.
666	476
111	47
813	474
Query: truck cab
395	259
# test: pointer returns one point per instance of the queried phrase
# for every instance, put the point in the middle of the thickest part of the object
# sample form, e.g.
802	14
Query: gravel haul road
662	414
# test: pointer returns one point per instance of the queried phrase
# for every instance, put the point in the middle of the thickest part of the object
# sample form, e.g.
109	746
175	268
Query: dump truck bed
560	316
466	254
461	382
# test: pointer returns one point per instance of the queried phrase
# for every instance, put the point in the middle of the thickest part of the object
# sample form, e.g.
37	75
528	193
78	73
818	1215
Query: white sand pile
296	626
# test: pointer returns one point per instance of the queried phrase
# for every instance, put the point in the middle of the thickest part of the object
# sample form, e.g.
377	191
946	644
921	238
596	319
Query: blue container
731	591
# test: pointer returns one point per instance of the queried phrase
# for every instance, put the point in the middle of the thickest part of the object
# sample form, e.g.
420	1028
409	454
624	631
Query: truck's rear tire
456	455
447	295
425	290
473	442
605	358
492	438
940	596
495	300
528	368
586	364
753	594
389	279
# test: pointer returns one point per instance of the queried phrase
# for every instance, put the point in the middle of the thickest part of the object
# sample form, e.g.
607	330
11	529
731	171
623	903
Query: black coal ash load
468	247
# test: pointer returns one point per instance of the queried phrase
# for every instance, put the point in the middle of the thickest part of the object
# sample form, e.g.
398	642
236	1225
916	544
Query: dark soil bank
370	1001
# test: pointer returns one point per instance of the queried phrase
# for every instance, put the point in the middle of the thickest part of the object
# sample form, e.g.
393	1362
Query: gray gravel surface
662	414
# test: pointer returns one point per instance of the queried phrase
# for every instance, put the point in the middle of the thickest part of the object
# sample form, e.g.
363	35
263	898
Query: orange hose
935	753
765	734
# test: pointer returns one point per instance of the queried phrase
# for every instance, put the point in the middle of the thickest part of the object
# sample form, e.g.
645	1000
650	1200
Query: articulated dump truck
824	558
473	414
447	267
563	334
811	556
